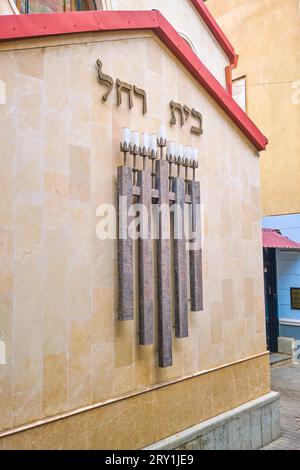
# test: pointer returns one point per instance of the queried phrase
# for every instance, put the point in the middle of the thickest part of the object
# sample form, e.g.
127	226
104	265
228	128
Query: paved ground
286	380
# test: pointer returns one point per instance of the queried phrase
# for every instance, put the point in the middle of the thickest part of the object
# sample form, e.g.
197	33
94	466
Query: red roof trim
29	26
273	238
216	30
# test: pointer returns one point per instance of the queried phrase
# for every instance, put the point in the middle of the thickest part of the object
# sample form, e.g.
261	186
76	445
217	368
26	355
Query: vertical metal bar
196	280
27	7
163	268
125	246
180	264
146	319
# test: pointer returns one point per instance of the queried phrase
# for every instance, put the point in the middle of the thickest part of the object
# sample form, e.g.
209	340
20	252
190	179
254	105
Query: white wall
186	20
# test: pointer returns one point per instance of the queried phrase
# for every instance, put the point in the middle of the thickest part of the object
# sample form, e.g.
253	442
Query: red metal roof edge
41	25
217	32
273	238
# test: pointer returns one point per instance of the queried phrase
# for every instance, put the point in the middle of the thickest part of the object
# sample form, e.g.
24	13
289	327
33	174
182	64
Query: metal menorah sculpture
157	185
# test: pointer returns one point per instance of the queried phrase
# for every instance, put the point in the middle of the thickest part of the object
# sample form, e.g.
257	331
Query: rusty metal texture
125	246
196	281
180	262
146	315
163	268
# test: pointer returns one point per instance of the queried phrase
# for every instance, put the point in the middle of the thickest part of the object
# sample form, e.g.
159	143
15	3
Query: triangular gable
216	31
29	26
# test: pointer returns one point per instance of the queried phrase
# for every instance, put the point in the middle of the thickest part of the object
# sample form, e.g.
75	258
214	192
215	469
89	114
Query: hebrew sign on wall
180	114
167	277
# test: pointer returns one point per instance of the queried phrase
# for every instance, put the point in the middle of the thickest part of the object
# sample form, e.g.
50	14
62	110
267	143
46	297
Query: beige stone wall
59	152
186	20
272	66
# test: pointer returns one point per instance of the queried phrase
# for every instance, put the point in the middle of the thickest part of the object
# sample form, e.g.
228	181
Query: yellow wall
266	34
58	284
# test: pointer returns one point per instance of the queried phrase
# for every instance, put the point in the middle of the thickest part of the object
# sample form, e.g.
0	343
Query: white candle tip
145	141
162	133
135	138
195	155
126	136
153	142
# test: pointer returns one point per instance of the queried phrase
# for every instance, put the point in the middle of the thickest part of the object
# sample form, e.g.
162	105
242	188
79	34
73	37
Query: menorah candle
145	141
194	156
135	149
179	151
135	139
179	157
125	142
187	153
171	149
162	133
153	143
194	159
126	136
153	155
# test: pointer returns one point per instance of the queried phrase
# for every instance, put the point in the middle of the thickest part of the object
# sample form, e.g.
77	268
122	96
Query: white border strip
289	322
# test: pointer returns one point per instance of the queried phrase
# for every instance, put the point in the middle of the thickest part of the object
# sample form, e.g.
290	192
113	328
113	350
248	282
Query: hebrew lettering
142	93
105	80
176	107
127	88
197	130
187	112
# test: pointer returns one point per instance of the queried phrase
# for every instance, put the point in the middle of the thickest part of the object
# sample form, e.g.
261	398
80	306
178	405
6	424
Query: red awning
273	238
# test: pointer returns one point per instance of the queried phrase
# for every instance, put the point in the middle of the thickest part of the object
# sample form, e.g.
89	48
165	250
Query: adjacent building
266	84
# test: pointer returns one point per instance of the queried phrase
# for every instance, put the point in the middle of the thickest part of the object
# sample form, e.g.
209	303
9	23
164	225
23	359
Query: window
295	298
239	91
